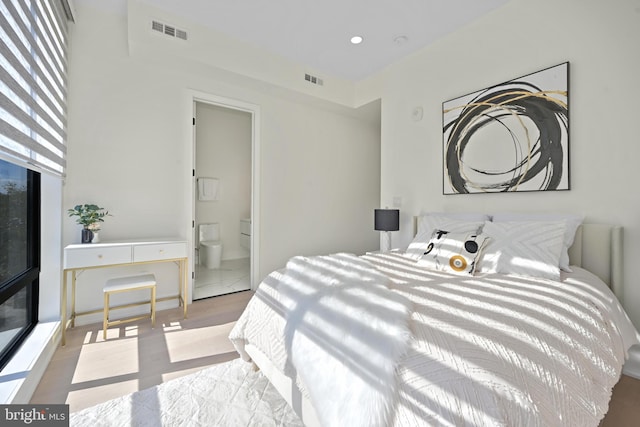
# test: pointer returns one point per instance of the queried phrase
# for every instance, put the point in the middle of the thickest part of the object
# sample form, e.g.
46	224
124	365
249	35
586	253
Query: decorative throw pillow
573	221
528	248
453	252
428	223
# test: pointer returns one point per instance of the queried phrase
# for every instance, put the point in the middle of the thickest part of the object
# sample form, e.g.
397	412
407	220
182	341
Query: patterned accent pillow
427	224
526	248
453	252
573	221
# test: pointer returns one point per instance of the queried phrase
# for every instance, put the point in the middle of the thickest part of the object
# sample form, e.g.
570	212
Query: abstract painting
510	137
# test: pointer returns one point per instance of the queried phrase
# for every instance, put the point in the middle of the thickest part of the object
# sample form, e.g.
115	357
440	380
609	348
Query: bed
396	339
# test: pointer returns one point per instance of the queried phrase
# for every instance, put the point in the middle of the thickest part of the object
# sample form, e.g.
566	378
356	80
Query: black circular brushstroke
547	115
471	246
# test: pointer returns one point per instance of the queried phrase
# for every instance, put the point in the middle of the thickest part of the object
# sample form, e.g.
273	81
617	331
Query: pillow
525	248
430	222
423	220
453	252
573	222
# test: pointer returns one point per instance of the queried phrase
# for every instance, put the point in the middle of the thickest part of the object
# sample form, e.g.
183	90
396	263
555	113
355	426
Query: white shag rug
228	395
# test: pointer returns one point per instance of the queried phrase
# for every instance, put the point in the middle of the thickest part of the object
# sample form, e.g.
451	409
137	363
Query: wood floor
89	370
624	407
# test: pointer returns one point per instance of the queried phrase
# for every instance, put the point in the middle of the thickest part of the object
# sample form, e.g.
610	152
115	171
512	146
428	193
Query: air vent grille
181	34
313	79
168	30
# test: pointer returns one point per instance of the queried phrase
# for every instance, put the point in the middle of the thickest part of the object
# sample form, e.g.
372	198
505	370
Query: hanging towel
208	189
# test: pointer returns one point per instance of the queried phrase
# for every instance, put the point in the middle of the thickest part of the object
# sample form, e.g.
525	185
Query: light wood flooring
89	370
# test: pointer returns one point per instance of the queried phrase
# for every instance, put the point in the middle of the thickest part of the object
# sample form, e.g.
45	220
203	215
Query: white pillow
430	222
453	252
525	248
423	219
573	222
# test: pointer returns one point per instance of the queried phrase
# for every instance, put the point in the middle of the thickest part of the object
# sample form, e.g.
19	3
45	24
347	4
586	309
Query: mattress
491	350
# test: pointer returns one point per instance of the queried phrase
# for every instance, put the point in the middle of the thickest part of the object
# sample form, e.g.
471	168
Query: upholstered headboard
597	248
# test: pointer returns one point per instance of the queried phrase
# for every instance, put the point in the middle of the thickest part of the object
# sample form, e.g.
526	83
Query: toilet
210	245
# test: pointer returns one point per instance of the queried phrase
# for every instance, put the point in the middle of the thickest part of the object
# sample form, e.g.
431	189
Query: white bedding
338	307
493	351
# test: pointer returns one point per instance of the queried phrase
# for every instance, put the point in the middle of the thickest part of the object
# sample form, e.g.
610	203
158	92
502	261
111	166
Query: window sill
20	377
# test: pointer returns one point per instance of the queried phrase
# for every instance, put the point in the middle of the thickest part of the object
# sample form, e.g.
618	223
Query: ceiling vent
313	79
168	30
181	34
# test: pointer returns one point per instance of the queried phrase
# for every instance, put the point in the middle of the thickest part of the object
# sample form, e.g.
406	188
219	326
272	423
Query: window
33	94
19	255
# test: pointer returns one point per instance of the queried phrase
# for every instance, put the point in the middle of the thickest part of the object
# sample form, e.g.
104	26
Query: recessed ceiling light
356	39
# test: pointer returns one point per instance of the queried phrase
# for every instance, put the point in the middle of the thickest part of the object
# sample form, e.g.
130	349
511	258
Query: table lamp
386	220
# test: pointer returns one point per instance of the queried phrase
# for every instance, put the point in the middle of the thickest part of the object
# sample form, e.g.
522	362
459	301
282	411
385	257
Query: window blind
33	93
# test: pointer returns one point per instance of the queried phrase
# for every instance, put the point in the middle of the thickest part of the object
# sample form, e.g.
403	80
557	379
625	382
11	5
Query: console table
79	257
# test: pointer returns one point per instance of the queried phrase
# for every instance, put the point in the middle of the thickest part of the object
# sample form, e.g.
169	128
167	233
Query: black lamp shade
386	219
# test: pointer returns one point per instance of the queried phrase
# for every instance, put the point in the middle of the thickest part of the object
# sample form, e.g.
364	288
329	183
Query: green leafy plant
89	215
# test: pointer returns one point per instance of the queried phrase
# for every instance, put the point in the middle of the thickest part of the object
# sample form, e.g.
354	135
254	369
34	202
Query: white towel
208	189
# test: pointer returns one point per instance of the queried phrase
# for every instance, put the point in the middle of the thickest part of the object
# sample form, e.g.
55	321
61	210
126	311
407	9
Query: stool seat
129	283
125	284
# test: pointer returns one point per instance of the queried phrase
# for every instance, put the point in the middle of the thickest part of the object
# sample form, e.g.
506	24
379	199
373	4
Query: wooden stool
126	284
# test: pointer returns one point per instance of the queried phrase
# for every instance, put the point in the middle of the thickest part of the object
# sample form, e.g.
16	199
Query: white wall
599	39
223	151
225	53
130	150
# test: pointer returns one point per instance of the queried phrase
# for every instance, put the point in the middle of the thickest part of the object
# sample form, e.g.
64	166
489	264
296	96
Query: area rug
227	395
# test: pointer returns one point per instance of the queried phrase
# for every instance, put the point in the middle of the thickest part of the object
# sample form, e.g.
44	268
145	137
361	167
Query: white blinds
33	55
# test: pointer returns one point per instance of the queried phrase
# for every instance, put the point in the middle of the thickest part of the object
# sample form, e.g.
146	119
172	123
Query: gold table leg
185	281
73	298
63	308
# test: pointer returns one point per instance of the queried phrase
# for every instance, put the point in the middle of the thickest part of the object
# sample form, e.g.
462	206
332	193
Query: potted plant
89	216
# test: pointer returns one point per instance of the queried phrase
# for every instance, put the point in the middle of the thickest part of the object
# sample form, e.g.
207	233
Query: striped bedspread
485	351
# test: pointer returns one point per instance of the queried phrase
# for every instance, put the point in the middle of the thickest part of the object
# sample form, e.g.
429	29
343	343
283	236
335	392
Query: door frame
254	111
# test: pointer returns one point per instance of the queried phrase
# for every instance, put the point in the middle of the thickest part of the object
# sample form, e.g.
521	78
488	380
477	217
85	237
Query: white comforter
339	307
485	351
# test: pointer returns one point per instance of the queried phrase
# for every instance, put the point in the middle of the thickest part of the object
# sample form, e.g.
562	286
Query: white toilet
210	245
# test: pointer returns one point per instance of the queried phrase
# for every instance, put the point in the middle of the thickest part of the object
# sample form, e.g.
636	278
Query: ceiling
317	33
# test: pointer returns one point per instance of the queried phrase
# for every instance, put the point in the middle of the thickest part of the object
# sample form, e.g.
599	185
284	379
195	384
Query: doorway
224	193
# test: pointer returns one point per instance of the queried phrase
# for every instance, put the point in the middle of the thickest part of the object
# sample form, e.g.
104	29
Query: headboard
597	248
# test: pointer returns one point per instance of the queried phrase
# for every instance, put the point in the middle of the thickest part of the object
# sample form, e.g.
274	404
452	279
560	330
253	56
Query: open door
225	196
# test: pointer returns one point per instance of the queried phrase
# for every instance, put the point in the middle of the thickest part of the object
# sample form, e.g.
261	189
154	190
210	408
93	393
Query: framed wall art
510	137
